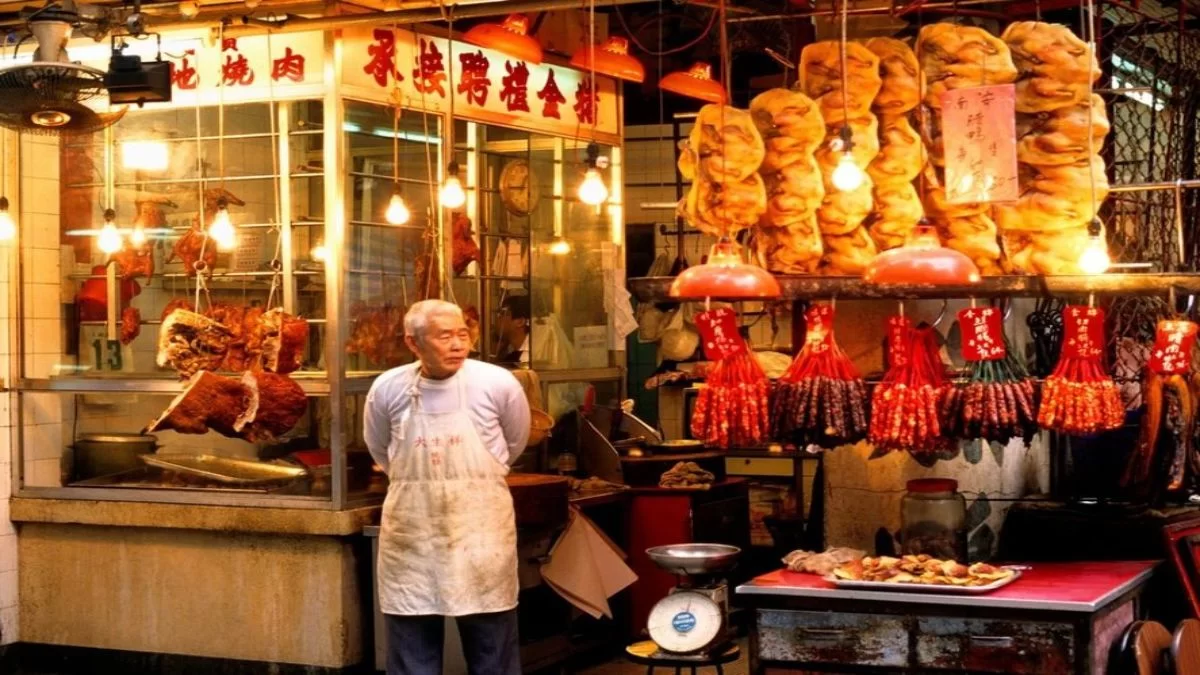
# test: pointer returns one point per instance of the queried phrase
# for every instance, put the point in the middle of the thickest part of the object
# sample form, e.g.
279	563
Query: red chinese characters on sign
290	66
1083	332
430	74
236	70
819	328
551	97
473	80
1173	343
719	333
899	337
587	97
515	86
982	334
383	58
183	74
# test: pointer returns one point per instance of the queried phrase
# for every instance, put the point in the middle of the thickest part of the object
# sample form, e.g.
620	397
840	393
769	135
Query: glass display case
305	175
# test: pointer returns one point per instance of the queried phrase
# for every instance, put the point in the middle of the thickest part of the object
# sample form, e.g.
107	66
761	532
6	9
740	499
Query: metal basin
695	559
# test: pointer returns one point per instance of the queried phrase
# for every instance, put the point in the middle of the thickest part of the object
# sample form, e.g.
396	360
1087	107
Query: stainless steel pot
104	454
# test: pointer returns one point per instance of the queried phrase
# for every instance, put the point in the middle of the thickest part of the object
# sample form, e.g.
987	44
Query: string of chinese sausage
732	406
1080	397
821	399
904	405
1161	462
999	400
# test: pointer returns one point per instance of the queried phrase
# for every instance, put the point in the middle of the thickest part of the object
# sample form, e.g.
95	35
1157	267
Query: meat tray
224	469
924	588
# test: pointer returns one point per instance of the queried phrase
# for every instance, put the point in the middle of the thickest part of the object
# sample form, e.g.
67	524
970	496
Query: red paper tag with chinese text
719	333
819	327
982	334
1173	342
899	339
1083	332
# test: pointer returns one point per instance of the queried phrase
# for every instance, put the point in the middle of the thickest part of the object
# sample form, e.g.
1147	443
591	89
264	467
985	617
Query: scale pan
695	559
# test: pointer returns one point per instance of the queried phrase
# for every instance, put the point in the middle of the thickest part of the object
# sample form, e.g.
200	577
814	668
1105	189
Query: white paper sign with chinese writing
979	135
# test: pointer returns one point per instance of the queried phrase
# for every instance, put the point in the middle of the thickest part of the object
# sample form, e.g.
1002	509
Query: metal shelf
654	289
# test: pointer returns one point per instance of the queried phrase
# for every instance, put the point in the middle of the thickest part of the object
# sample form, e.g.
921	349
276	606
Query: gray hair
418	316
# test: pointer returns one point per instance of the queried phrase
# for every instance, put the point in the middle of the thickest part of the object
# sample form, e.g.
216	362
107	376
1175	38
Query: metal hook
941	315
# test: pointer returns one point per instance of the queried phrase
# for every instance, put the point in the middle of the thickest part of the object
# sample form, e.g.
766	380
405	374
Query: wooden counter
1057	618
192	516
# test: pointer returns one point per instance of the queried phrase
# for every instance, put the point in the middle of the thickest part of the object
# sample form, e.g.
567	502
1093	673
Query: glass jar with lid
933	519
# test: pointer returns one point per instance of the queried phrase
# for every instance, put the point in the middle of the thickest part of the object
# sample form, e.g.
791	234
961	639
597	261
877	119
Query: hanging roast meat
283	341
257	407
464	249
131	324
191	342
189	247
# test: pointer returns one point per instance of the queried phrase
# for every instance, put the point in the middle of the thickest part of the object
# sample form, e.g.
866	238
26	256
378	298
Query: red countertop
1064	587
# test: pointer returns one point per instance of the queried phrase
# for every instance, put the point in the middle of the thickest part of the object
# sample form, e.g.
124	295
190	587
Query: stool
648	654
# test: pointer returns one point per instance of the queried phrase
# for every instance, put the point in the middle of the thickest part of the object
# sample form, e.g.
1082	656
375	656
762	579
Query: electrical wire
712	19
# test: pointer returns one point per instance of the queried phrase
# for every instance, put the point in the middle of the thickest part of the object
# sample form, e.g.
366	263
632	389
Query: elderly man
446	429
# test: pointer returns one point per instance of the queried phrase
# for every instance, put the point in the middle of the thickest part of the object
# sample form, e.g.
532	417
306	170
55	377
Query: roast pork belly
191	342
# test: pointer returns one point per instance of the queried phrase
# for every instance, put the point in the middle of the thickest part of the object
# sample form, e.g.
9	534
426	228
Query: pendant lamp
922	260
726	276
611	58
510	38
695	82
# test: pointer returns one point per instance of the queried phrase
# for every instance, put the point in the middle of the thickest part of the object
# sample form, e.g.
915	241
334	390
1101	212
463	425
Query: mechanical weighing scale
694	617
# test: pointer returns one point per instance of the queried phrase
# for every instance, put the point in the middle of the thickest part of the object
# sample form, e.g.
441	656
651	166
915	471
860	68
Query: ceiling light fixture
510	38
222	230
452	196
8	226
109	239
145	155
593	191
1095	259
695	82
611	58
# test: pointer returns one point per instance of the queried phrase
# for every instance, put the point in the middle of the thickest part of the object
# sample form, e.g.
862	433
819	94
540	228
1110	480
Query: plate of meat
922	574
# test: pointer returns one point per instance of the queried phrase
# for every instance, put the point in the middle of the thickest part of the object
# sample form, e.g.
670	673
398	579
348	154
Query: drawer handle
825	633
992	640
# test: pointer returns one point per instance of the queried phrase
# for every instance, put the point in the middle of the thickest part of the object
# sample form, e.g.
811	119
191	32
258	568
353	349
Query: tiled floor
624	667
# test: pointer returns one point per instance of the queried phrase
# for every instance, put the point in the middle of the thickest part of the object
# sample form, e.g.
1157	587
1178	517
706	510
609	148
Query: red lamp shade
611	58
922	260
725	275
510	38
696	82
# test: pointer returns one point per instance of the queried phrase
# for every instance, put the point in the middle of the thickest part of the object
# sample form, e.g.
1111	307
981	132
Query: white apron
448	540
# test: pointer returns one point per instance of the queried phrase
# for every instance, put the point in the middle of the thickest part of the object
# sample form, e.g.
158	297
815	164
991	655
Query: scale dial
685	622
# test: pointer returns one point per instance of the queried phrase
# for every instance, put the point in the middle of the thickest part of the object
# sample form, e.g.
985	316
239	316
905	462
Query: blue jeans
489	644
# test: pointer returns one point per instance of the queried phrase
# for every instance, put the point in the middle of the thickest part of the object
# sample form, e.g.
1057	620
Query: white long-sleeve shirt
494	401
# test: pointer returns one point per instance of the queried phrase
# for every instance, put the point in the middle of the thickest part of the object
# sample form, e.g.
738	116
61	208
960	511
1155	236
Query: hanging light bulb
397	210
109	240
593	191
847	176
222	230
559	246
319	253
8	227
452	195
1094	259
138	236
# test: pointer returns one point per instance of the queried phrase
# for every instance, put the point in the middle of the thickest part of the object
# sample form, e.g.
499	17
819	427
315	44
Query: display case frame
337	88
